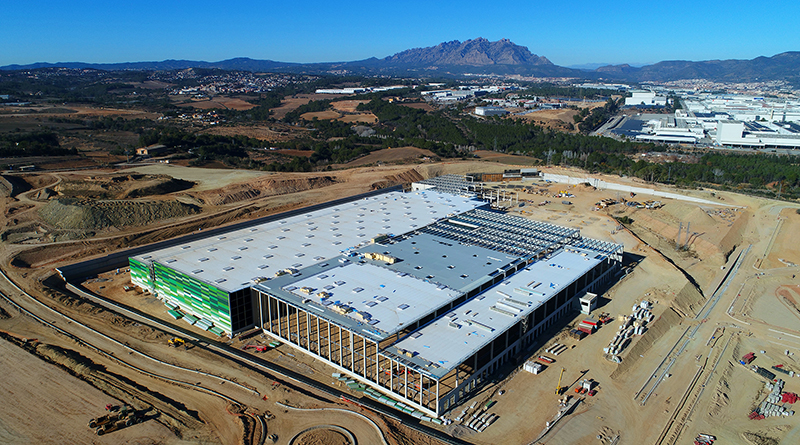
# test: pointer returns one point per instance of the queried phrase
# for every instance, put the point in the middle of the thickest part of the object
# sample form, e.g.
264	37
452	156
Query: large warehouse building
418	295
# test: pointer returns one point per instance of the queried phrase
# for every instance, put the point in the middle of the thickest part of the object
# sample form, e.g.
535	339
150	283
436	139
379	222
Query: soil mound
322	437
121	186
261	189
700	218
689	300
655	331
11	186
405	177
73	214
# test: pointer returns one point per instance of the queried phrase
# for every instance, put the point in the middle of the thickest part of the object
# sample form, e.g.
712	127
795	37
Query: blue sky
566	32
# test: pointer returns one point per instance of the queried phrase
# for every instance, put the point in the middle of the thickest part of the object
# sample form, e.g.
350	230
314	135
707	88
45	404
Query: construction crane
558	388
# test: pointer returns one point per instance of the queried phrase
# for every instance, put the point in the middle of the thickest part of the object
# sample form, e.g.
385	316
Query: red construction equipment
258	348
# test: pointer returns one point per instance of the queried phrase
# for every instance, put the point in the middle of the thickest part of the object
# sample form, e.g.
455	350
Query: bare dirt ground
292	103
205	178
228	103
258	132
502	158
418	105
46	392
272	133
363	117
558	119
73	111
347	106
390	155
322	115
746	317
555	119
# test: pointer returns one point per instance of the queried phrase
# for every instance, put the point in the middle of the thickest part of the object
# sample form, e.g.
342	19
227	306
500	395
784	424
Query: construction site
428	304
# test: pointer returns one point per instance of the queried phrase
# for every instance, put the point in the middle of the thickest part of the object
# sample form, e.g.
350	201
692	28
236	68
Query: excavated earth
119	186
65	213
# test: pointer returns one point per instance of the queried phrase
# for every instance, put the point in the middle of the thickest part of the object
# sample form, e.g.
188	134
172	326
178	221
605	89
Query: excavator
176	342
258	348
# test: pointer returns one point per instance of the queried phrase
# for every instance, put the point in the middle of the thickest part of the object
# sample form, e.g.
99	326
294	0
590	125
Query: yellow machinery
558	388
175	342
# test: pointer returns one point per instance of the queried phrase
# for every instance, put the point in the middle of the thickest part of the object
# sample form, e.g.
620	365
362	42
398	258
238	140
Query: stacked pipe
556	349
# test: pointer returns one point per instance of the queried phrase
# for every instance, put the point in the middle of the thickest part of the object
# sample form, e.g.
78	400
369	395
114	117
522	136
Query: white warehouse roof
445	346
235	260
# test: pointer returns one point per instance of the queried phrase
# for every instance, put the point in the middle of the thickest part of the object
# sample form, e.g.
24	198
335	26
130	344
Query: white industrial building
645	98
490	111
671	131
758	134
414	298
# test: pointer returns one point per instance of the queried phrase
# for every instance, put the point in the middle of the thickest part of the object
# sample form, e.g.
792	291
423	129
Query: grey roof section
447	342
456	265
362	296
238	259
432	268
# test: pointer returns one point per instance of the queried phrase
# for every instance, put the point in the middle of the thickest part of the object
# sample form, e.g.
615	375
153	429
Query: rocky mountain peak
474	52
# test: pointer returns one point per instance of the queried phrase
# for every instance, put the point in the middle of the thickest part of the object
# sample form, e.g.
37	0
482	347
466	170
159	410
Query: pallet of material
578	334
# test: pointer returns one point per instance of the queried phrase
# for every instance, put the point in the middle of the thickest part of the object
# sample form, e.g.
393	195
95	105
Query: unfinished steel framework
420	296
427	316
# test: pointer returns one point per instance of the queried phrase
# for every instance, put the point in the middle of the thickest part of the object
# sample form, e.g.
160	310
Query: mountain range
481	56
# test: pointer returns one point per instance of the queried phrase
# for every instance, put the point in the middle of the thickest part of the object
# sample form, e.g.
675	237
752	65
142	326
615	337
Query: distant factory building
490	111
645	98
341	91
758	134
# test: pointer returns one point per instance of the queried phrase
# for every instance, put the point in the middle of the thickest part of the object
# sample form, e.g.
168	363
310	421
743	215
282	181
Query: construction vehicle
115	414
131	418
258	348
175	342
119	418
558	388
